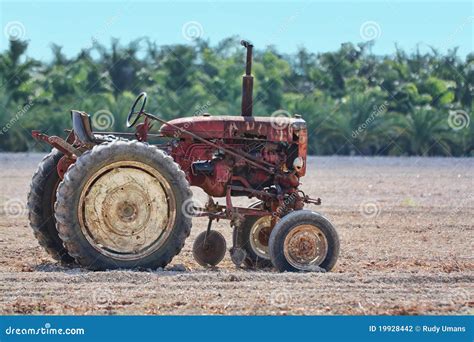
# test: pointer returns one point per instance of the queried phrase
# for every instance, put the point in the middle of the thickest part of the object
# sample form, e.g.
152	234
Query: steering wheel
131	120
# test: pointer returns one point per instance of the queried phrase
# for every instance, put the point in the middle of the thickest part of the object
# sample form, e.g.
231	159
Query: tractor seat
81	123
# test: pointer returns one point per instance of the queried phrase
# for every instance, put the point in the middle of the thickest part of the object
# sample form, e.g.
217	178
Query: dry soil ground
406	229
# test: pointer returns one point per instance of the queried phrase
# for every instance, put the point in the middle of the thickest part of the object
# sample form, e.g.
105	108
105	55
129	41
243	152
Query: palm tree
121	64
423	132
14	72
357	125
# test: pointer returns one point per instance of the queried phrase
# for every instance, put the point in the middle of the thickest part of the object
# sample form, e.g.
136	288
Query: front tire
119	206
304	241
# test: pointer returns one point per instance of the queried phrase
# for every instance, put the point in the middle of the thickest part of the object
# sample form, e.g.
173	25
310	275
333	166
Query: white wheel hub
127	210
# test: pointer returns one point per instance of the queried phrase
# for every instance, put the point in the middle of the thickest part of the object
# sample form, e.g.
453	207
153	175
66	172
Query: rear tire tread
67	222
41	220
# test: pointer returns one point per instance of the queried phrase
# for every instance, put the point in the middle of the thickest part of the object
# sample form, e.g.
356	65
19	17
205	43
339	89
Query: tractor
112	200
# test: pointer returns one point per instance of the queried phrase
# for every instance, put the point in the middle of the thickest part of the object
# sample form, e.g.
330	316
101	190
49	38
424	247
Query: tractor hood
227	127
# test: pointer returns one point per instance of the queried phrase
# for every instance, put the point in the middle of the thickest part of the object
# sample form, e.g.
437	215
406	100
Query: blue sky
318	25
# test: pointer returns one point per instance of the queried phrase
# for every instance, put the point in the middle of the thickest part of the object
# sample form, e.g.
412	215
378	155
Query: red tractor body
262	139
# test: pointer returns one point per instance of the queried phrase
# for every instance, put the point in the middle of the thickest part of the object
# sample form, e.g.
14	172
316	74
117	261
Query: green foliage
355	103
423	132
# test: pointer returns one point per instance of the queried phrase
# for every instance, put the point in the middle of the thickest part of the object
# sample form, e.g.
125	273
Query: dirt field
406	229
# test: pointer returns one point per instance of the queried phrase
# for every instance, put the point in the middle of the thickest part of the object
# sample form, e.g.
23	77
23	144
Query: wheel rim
259	236
127	210
305	247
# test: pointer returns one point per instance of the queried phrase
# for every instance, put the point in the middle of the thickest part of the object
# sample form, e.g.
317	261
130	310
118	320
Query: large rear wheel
40	201
119	206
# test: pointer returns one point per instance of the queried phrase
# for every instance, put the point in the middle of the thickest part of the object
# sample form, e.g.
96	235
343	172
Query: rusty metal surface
247	101
302	149
268	160
247	82
141	131
62	145
219	127
305	247
63	165
220	212
209	249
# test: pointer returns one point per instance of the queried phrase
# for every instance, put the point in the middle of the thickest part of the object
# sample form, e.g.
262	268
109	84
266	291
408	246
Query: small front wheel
303	241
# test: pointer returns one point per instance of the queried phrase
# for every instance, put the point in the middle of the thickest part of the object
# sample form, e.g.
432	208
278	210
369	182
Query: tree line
355	102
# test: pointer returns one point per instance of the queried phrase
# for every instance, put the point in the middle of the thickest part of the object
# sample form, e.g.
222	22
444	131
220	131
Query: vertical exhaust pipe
247	81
